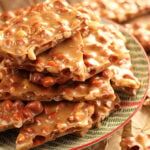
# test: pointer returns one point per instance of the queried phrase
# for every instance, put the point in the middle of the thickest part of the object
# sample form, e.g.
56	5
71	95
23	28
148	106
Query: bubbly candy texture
15	114
36	29
117	10
97	87
63	118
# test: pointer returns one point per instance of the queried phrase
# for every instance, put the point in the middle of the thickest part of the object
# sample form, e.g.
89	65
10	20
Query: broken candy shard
40	28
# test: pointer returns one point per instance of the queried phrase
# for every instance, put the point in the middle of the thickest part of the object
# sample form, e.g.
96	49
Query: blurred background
10	5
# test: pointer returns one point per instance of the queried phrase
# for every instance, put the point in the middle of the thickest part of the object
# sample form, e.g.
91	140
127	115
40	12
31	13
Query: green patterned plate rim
129	106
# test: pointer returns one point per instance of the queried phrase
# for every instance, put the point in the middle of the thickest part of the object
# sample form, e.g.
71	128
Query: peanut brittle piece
103	108
123	78
61	118
142	32
6	18
14	85
58	119
87	12
15	114
97	87
117	10
42	27
103	43
65	58
87	5
140	142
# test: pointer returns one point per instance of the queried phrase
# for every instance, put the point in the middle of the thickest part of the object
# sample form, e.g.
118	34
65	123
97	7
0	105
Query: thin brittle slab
16	85
41	27
116	10
15	114
63	118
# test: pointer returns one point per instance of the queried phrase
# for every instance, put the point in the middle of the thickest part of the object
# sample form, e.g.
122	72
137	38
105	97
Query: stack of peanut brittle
59	70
